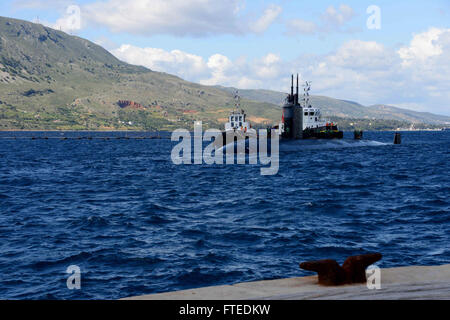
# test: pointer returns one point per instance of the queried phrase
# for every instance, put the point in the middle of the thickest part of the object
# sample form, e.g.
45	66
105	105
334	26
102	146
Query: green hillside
51	80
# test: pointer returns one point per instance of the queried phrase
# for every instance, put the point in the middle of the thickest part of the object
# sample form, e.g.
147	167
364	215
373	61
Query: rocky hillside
52	80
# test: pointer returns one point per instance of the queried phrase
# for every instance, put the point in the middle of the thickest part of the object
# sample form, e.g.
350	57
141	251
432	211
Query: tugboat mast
237	118
306	89
237	99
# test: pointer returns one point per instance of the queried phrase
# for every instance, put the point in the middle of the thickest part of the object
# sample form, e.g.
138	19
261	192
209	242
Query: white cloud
215	70
357	54
268	17
148	17
183	64
151	17
179	18
363	71
417	75
338	17
332	20
221	70
69	22
423	45
268	67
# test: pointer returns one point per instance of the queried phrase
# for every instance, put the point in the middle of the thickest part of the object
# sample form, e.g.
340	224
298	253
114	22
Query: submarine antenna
296	95
292	88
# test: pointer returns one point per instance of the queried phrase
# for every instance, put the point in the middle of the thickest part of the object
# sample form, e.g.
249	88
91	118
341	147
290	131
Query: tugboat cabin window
306	113
231	118
311	113
240	124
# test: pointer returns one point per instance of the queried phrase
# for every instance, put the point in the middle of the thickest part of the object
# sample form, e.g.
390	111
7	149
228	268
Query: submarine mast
293	115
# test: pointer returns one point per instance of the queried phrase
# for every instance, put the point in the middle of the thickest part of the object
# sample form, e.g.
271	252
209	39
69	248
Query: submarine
302	120
298	120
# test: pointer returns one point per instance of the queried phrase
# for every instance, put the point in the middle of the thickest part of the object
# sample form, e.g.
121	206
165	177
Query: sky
372	52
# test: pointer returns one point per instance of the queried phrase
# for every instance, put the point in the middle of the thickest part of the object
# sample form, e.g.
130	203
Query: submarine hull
322	134
310	133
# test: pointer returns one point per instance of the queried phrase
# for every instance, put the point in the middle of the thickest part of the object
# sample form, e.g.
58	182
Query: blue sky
256	44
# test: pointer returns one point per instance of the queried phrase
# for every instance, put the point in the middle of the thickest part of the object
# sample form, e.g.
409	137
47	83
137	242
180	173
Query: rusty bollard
330	273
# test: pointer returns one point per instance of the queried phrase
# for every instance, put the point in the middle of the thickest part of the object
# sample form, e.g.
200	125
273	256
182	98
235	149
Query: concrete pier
415	282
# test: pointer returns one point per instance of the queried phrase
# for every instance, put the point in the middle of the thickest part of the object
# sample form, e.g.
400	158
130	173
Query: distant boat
237	125
237	120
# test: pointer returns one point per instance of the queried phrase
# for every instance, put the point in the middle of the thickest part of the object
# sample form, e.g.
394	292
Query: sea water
135	223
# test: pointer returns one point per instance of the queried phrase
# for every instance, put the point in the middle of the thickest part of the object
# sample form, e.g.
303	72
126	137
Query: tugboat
305	122
237	120
237	125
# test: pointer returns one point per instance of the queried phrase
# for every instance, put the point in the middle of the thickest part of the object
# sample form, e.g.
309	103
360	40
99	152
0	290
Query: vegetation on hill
50	80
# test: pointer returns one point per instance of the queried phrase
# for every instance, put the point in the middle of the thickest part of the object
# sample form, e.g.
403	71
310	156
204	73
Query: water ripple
136	224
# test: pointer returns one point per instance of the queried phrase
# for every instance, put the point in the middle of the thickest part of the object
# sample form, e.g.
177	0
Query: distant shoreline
44	130
74	130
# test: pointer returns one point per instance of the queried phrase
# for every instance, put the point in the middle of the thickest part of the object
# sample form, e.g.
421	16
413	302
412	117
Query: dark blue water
137	224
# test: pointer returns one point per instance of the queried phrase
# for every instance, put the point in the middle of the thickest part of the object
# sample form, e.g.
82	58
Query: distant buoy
397	138
357	134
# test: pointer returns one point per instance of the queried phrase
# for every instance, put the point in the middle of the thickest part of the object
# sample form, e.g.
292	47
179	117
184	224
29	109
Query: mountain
390	112
347	109
52	80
